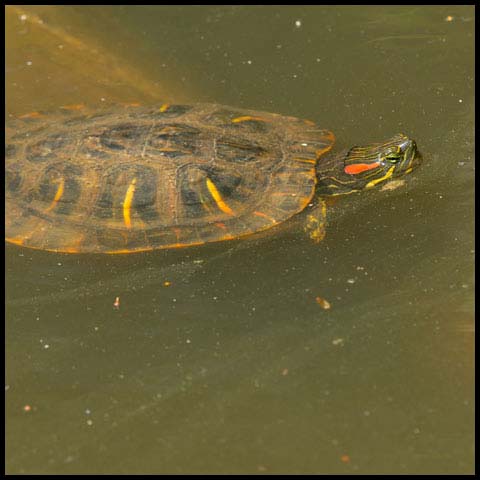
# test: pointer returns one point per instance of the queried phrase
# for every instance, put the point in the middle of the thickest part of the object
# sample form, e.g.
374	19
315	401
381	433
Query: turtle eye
393	157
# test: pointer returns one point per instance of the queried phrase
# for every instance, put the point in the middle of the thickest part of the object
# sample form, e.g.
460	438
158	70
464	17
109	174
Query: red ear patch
360	167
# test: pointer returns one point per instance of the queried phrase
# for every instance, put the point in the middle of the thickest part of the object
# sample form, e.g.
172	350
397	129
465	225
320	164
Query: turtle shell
132	178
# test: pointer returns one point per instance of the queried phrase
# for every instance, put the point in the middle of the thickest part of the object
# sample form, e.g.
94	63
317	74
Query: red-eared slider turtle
137	178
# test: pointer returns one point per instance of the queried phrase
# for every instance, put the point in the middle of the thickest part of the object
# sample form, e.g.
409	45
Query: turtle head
363	167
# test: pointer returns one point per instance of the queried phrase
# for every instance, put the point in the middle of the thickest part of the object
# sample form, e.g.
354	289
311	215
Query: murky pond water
219	359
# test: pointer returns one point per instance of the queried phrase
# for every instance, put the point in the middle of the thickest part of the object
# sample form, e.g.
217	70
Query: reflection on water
219	358
52	61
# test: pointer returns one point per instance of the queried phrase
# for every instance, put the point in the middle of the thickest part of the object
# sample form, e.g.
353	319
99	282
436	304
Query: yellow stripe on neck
381	179
127	203
218	198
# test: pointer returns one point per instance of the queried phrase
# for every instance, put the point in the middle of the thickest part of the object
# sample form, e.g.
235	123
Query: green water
232	366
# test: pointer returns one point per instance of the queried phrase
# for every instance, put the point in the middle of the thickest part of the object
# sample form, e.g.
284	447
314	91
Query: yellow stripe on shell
127	203
247	118
218	198
15	240
264	215
306	160
58	194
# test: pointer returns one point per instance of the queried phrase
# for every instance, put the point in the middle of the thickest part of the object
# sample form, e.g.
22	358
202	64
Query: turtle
131	178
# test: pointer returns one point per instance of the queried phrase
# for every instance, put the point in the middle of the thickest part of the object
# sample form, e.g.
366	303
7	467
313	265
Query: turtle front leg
316	221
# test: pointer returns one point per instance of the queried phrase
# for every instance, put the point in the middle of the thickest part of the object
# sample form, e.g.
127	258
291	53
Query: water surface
218	359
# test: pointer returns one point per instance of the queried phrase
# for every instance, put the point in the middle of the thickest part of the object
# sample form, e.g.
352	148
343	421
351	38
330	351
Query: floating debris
116	303
324	303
